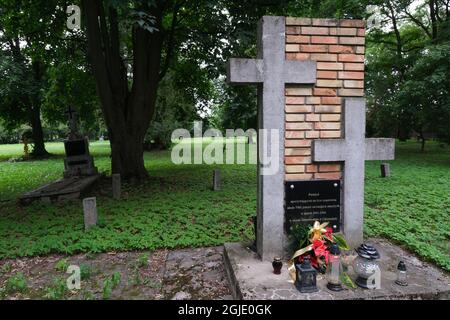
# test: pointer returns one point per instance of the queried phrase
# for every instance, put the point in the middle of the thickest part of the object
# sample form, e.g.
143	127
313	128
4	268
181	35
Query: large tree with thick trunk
30	31
128	63
127	96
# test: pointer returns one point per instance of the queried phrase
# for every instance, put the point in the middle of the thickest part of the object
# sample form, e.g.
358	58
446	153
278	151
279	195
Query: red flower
319	248
329	234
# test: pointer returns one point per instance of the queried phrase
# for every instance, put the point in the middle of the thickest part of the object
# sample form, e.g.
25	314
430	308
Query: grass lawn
176	207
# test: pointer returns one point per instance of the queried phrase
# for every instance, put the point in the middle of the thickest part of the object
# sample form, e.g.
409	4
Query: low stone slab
60	190
253	279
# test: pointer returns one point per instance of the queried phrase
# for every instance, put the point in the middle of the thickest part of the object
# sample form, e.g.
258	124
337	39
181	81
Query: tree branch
382	41
419	23
433	17
97	57
171	41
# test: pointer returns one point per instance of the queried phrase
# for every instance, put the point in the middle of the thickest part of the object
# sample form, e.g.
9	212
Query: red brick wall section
315	113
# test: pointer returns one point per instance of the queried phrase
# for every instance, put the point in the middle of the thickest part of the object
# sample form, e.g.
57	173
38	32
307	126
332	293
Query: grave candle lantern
366	267
277	264
306	277
401	274
334	269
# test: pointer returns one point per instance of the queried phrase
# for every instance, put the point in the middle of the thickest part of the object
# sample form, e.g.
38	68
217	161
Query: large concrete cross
353	150
271	71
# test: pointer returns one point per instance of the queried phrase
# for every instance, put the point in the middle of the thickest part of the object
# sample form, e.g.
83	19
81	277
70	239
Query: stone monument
310	78
79	170
78	161
310	85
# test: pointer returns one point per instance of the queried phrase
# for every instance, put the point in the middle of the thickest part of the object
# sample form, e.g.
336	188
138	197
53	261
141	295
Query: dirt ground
162	274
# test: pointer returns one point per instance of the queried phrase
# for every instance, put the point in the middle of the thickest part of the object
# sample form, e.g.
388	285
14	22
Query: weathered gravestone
308	185
79	170
78	161
385	170
90	212
216	180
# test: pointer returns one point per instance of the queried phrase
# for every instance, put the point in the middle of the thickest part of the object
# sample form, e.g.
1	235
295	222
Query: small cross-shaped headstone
71	112
271	72
353	150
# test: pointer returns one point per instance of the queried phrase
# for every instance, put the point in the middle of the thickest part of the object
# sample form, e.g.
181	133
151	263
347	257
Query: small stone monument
385	170
90	212
78	161
79	170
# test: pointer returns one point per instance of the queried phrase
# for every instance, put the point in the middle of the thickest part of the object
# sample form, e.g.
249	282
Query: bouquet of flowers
318	240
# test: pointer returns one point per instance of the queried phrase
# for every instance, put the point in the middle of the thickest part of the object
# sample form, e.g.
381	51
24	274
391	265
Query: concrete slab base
253	279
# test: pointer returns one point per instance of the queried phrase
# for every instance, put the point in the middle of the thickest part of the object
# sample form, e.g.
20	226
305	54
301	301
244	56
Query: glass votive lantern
401	274
366	267
334	269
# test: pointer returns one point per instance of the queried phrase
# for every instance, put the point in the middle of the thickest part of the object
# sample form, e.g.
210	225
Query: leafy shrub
62	265
85	271
16	283
143	260
57	291
110	284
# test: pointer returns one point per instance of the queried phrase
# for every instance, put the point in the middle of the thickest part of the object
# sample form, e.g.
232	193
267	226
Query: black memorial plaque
309	201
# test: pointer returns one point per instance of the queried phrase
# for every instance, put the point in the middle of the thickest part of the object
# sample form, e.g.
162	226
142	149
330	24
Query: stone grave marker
78	161
80	172
90	212
216	180
385	170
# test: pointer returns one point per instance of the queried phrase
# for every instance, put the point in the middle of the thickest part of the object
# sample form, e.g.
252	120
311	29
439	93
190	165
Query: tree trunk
127	152
127	112
433	18
38	134
422	141
35	113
